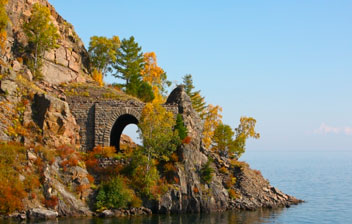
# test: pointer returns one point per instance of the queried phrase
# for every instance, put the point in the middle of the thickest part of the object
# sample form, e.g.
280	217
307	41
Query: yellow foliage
154	75
3	23
211	121
98	77
3	38
13	164
233	194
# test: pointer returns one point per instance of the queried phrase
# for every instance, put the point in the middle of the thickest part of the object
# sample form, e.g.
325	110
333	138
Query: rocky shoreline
54	134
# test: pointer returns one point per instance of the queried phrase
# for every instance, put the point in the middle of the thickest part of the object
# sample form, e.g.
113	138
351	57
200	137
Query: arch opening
118	128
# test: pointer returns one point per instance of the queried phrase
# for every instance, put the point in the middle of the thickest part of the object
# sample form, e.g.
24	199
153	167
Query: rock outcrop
54	117
193	195
69	62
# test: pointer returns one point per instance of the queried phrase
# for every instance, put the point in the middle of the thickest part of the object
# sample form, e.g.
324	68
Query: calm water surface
322	179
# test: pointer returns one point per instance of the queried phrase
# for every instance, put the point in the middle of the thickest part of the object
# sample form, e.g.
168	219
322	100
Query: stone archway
118	128
115	123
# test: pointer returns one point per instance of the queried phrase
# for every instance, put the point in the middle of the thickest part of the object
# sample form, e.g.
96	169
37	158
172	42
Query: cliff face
69	62
191	195
35	114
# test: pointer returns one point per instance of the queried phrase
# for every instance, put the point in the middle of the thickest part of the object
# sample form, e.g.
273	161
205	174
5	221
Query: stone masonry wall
84	112
96	118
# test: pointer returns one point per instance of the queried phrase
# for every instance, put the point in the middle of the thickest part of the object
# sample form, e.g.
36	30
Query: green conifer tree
180	127
128	65
129	60
198	101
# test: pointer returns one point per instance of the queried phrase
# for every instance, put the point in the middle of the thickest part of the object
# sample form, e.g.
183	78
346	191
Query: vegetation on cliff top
42	36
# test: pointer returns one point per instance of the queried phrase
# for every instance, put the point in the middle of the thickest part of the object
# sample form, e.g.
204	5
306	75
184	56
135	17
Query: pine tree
140	89
180	127
129	64
198	102
129	60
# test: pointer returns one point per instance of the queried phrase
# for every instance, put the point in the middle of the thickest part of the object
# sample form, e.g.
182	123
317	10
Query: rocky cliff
247	188
37	115
69	62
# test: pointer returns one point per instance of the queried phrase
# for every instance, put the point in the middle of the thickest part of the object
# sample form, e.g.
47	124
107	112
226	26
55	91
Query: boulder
54	117
107	214
8	86
42	213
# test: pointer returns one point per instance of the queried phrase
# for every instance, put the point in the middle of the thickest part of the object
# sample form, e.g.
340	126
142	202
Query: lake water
322	178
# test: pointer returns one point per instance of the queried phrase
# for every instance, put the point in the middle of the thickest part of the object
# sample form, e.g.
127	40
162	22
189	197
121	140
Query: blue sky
286	63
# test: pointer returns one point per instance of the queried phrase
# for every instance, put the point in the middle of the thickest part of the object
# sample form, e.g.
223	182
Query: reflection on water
254	217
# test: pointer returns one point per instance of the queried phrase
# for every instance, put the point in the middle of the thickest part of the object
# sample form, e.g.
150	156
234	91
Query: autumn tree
212	118
3	23
245	130
160	139
42	36
154	75
223	139
98	77
198	102
128	66
103	53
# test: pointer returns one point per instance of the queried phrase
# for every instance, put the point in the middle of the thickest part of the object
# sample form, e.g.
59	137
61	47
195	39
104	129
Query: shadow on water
245	217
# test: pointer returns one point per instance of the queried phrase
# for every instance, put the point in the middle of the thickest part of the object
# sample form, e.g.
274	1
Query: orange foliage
233	194
11	195
187	140
176	180
195	189
101	152
169	167
223	170
98	77
40	165
51	202
81	188
160	188
70	157
12	190
64	151
3	38
90	178
92	162
33	196
258	172
154	75
174	157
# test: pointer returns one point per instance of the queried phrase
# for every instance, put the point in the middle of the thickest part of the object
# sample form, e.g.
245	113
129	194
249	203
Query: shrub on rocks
114	194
